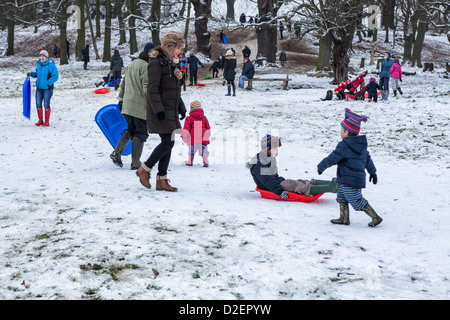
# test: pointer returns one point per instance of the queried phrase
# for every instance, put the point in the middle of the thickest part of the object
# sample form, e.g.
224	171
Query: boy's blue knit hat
389	53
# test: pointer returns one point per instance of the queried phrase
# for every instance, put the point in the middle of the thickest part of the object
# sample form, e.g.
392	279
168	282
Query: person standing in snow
283	58
264	171
85	53
352	159
396	75
164	106
229	71
372	89
193	62
55	51
196	133
116	66
385	74
46	75
133	102
183	70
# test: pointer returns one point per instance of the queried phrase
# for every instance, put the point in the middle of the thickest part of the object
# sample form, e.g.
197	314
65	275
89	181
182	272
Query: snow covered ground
75	226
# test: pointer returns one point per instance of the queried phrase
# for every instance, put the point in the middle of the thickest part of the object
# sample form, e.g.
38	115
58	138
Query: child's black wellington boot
344	217
376	220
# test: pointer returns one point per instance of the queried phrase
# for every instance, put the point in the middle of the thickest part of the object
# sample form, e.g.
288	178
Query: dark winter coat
193	63
372	88
246	52
264	171
163	94
215	66
116	62
229	68
283	56
352	159
85	53
248	70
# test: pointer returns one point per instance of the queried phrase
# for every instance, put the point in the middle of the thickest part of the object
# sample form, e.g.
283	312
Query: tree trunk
107	42
340	56
230	10
266	32
418	44
131	25
202	12
186	27
324	52
81	32
422	25
155	18
11	25
123	36
64	59
94	41
183	9
98	31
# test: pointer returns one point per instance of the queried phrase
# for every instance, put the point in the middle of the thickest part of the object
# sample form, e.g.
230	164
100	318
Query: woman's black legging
230	82
161	154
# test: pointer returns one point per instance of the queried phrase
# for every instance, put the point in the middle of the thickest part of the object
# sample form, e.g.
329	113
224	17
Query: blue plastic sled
112	123
26	94
225	39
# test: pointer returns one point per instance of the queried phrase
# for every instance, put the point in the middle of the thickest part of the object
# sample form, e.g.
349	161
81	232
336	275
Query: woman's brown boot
162	183
144	175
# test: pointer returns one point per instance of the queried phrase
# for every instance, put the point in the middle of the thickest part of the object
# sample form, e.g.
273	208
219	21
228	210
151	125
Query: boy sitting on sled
106	80
263	168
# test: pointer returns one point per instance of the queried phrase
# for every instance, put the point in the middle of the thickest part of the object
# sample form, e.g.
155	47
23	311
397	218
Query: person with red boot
46	74
196	133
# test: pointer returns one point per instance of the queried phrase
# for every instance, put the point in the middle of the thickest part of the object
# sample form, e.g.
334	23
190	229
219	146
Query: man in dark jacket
116	65
85	53
248	72
193	62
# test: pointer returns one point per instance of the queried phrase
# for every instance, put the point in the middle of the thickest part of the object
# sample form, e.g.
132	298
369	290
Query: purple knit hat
373	79
352	121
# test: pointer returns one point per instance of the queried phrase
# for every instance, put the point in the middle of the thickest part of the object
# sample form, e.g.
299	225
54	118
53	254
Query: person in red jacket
396	76
196	133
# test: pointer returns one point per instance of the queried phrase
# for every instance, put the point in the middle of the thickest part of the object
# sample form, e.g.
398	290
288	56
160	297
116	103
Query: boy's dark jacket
265	173
352	158
372	87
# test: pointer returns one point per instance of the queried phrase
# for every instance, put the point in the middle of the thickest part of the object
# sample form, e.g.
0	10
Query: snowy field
75	226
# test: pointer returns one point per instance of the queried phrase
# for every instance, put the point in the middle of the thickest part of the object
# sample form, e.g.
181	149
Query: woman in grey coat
133	101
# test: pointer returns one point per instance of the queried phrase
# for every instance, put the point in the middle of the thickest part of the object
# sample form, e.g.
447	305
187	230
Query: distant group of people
57	50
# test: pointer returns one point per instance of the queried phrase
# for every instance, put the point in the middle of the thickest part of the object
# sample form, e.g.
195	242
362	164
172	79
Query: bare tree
230	9
202	14
266	29
337	19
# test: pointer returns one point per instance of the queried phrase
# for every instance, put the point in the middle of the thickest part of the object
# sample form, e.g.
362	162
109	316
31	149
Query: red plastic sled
200	84
101	91
292	196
